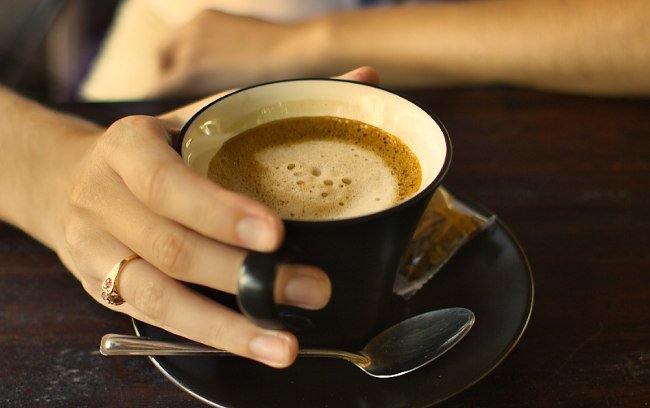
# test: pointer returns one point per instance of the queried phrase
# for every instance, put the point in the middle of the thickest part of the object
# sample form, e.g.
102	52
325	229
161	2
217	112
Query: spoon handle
129	345
354	358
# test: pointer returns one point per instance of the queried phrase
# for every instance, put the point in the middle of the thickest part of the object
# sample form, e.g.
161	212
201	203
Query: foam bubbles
318	167
324	178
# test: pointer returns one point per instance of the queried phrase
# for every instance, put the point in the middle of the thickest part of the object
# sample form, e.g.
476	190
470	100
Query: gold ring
109	286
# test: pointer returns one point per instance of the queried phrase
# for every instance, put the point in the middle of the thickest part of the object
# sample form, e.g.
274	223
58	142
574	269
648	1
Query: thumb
362	74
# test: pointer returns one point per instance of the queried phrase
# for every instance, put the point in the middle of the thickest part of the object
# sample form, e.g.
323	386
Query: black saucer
490	276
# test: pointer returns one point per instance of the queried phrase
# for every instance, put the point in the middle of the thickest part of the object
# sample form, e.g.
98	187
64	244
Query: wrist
39	150
306	50
50	196
329	45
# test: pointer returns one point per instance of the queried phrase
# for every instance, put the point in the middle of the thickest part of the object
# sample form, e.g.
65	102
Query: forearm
38	151
584	46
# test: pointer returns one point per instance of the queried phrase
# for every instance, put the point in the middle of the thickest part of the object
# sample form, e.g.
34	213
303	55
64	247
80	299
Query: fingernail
307	290
255	233
271	349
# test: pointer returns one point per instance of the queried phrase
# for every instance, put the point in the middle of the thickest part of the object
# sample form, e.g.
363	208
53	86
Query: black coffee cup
361	255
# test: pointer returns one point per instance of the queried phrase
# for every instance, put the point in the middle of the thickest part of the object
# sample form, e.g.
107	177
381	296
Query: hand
216	50
133	194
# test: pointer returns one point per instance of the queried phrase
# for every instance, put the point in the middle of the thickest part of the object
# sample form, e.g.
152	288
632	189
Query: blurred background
46	45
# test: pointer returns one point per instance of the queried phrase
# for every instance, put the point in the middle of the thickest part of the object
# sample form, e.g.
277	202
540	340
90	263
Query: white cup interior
254	106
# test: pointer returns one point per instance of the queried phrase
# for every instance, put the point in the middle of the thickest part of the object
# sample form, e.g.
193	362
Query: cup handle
255	290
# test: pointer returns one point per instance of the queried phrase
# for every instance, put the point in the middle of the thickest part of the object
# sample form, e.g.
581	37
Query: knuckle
83	192
78	197
78	251
152	300
218	334
155	185
73	237
83	195
77	237
169	249
127	123
123	131
114	138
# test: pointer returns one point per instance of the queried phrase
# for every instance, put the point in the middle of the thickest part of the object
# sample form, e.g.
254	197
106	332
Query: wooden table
569	175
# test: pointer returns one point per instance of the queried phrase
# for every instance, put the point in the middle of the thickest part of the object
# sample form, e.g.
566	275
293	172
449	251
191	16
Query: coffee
320	167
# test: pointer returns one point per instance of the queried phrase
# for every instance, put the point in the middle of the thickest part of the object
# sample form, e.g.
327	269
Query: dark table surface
569	175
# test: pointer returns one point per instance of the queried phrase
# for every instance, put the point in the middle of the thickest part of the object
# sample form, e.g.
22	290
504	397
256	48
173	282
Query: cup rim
435	183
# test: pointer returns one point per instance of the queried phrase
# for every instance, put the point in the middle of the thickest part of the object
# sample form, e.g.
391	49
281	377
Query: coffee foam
318	168
318	179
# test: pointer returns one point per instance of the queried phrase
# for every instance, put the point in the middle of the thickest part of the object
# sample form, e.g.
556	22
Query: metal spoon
400	349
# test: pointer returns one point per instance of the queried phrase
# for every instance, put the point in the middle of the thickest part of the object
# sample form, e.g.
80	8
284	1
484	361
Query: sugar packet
446	225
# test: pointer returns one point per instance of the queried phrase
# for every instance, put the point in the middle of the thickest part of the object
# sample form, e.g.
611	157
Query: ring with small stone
110	291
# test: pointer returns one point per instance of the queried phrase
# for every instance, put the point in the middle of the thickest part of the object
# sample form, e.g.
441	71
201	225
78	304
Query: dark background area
46	45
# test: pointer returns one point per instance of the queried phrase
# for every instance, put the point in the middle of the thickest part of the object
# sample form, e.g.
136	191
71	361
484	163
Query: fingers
362	74
187	256
303	286
155	298
166	303
156	175
174	120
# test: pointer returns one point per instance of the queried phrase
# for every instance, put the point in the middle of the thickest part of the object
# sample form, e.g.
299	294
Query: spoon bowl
400	349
